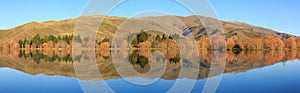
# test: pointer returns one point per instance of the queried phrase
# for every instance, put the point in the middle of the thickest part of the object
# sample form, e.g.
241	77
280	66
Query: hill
111	24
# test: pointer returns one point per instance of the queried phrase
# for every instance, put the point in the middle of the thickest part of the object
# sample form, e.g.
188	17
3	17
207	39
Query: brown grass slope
111	24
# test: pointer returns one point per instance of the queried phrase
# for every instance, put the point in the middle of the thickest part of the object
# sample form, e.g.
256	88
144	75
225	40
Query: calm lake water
53	72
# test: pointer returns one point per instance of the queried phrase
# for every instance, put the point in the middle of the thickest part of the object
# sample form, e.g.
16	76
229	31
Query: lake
30	71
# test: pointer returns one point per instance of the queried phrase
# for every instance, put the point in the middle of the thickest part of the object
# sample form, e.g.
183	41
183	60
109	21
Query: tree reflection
140	57
61	62
46	56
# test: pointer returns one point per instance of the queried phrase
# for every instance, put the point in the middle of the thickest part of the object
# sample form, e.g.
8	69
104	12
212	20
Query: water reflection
60	62
47	56
140	57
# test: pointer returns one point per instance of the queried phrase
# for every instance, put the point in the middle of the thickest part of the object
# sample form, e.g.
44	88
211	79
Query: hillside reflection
61	62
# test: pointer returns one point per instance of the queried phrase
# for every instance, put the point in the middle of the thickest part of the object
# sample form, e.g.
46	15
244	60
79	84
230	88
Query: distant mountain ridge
111	24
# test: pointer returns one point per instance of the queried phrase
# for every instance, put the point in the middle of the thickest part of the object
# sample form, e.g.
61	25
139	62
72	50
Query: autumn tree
230	43
252	43
273	56
273	42
239	44
217	41
203	43
298	42
290	43
290	54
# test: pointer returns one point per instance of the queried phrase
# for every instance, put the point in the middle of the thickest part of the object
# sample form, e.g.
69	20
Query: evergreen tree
21	43
164	37
105	40
59	38
158	38
143	36
175	37
37	40
78	39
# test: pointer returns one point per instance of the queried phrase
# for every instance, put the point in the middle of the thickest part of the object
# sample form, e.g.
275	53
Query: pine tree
21	43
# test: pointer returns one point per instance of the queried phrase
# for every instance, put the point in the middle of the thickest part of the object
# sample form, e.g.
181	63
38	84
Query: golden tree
290	43
273	42
230	43
252	43
298	42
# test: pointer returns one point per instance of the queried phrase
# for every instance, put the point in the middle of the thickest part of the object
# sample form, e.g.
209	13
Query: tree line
154	39
38	57
267	42
38	41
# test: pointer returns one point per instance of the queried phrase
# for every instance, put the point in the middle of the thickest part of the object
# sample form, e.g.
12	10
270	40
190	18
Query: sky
279	15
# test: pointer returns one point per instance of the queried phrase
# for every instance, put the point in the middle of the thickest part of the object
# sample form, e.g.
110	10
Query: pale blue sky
280	15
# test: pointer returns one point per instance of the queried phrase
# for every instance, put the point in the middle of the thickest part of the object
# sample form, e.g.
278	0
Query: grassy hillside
111	24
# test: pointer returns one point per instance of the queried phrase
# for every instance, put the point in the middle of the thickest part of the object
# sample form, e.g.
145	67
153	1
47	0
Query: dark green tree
142	37
59	38
133	58
164	37
157	38
37	40
25	41
134	42
78	39
86	39
30	42
21	43
98	42
175	37
52	38
143	61
176	59
105	40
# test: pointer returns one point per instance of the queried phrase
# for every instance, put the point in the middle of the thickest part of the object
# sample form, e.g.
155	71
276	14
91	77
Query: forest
153	40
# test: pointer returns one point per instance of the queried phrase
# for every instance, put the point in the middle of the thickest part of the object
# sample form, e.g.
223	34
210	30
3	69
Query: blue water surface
277	78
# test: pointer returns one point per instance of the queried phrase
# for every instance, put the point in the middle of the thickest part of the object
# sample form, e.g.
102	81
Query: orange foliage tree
203	43
217	41
291	54
230	56
239	43
290	43
230	43
273	42
252	43
298	54
298	42
274	56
